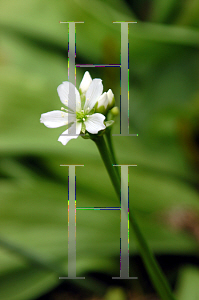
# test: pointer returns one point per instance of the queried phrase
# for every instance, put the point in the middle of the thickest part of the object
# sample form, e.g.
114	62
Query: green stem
157	277
107	159
110	145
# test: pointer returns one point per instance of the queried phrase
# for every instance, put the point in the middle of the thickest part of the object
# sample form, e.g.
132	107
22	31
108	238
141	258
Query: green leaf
187	287
109	123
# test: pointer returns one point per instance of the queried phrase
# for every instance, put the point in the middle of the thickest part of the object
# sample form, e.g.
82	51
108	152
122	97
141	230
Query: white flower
80	113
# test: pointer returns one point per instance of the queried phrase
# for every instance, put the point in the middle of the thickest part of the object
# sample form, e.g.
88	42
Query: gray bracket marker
124	225
124	73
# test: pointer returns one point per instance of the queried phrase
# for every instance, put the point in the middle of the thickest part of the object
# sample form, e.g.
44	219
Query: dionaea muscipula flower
79	112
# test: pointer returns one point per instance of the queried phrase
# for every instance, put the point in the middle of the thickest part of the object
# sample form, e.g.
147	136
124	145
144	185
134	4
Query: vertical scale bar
71	224
71	75
124	81
124	225
124	271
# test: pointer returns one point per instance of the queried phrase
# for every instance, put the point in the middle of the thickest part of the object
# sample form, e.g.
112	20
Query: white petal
66	136
102	100
73	100
86	81
110	96
94	91
54	119
94	123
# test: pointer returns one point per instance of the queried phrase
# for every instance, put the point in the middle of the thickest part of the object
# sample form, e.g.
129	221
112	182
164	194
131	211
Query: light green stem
157	277
111	149
108	161
110	144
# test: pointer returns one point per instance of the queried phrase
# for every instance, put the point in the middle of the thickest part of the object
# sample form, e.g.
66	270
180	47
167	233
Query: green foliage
163	57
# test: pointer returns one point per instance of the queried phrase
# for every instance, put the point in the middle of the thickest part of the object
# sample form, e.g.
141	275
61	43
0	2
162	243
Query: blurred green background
164	110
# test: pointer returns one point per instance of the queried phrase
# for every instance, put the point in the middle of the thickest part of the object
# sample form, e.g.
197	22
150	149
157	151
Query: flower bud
102	104
111	99
115	111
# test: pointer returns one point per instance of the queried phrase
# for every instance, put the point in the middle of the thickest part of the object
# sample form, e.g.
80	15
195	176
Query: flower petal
54	119
86	81
94	123
65	137
94	91
69	99
102	100
111	99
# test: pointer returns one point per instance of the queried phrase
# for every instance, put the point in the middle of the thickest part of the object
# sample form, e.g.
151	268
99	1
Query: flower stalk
155	273
111	149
